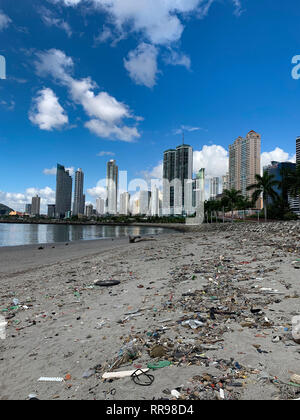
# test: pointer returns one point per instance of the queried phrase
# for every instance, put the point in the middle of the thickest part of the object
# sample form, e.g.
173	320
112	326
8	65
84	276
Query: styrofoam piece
46	379
3	324
124	374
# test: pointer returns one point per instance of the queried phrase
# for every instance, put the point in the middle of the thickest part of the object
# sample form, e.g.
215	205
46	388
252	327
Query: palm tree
231	199
264	186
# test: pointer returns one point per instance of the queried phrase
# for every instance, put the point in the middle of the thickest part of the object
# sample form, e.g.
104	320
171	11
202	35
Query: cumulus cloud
46	111
4	21
17	201
99	190
142	64
213	158
154	176
277	155
106	112
54	63
158	23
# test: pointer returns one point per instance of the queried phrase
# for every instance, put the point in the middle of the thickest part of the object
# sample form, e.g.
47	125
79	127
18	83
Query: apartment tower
178	180
78	205
112	187
244	162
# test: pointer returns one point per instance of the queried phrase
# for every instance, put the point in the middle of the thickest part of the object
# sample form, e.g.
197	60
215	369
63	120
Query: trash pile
213	319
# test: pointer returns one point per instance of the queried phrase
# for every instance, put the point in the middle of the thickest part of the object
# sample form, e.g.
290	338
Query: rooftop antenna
182	137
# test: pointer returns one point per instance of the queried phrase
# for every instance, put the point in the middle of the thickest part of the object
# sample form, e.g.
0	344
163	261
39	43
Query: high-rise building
28	208
78	204
89	210
51	211
63	192
144	199
168	181
112	187
199	189
225	182
244	162
35	205
100	206
177	180
276	169
214	189
154	201
124	203
298	149
135	205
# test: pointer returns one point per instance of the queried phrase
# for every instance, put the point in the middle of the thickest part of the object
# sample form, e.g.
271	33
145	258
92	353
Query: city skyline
212	186
75	85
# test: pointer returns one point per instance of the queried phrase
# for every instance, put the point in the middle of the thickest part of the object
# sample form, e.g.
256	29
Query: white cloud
46	111
112	131
99	190
102	106
56	64
103	153
17	201
156	172
4	21
158	22
106	112
177	58
184	128
67	2
51	20
52	171
142	64
277	155
238	10
213	158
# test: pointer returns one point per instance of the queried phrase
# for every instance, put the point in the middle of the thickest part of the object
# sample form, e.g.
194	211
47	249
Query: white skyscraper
154	201
112	187
100	206
144	199
79	202
35	205
124	203
214	187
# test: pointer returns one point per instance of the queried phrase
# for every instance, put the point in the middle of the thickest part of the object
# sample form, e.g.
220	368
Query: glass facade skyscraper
63	192
178	180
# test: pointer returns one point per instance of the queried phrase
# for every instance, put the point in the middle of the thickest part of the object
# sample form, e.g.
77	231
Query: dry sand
69	326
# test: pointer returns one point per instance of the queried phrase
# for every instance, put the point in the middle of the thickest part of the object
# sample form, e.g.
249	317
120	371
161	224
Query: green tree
264	187
231	198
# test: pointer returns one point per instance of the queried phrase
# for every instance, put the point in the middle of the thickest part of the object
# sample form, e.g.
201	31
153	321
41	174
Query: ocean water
14	234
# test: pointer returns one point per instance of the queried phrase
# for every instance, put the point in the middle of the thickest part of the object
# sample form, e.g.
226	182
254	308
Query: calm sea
26	234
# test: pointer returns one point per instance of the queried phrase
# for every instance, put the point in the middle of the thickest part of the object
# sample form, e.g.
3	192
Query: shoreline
23	258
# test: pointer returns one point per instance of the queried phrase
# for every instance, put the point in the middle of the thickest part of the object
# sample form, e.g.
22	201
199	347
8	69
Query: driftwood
133	239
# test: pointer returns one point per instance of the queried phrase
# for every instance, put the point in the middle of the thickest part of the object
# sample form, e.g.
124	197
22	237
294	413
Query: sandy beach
188	298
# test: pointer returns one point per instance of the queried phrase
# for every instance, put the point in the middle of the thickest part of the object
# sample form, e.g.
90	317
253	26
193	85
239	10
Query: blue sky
123	78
